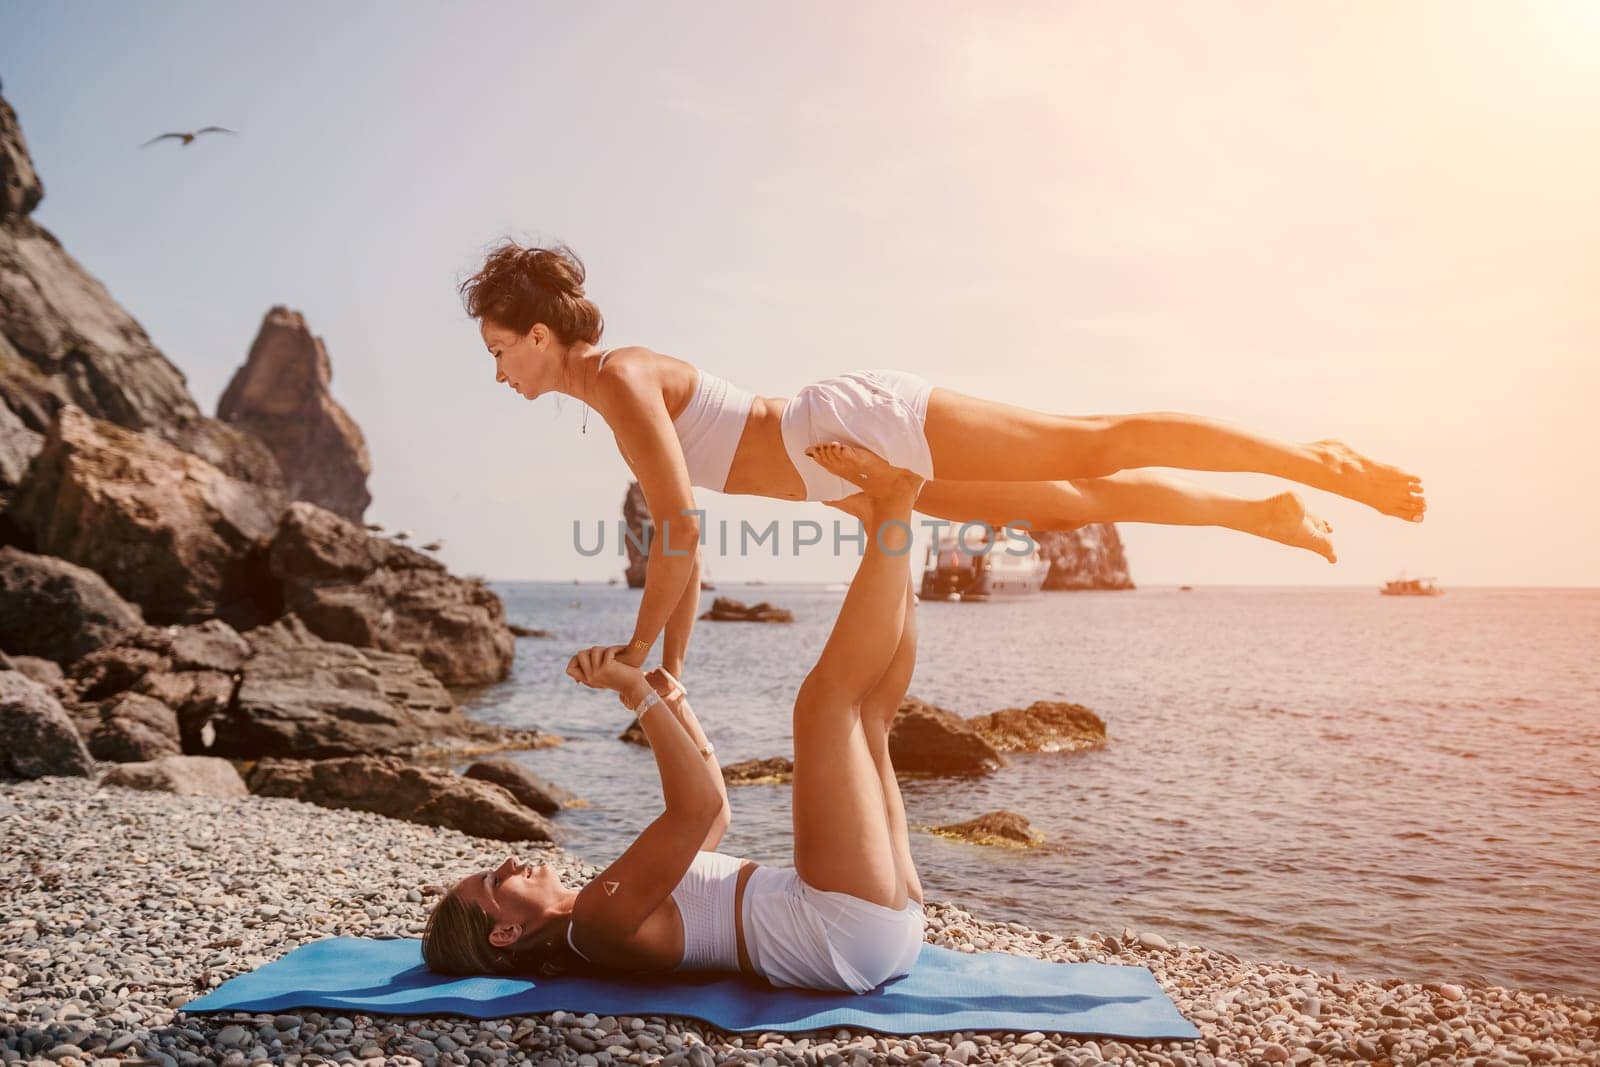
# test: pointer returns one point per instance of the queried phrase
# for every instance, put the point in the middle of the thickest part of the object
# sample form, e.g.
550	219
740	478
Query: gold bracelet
640	645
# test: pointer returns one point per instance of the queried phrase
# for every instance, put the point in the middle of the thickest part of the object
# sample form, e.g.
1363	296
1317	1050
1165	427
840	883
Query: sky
1371	222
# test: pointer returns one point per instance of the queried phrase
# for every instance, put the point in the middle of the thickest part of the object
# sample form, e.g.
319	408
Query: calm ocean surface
1375	785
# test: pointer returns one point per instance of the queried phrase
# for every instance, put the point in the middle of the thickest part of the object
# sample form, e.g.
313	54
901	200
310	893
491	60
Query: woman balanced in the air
679	427
847	915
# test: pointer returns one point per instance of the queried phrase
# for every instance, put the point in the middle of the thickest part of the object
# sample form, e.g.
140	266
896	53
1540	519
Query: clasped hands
601	667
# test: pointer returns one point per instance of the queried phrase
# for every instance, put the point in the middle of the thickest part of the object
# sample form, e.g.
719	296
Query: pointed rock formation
281	395
1089	557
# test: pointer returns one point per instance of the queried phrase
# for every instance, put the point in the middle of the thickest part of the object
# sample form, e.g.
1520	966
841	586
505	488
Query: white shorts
879	410
815	939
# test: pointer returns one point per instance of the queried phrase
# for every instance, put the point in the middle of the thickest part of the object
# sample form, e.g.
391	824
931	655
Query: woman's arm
635	409
627	892
678	701
675	645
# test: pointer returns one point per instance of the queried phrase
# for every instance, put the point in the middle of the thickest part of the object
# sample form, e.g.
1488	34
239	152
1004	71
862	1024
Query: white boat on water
999	569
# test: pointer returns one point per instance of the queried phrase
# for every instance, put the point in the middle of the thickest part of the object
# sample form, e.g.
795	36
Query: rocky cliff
64	340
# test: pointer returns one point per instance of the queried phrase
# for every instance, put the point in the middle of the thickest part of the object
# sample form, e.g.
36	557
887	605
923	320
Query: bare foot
1289	523
1378	485
869	470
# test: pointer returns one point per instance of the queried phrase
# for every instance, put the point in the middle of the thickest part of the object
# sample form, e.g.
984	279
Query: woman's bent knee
820	696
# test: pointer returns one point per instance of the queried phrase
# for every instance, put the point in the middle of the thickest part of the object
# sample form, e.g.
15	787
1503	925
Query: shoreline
124	905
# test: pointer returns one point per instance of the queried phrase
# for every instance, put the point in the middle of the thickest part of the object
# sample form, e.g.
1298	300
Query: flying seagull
188	138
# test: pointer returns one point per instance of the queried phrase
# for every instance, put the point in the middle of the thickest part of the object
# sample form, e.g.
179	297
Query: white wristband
651	699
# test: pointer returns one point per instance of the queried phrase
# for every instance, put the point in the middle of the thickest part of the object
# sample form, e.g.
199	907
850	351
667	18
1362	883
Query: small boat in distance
705	580
1404	586
953	571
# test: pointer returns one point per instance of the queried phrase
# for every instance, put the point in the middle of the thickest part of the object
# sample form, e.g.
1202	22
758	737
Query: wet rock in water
350	586
774	770
1090	557
927	739
303	696
530	790
1005	828
633	733
282	395
129	728
39	737
1043	726
184	775
726	609
57	610
389	786
526	631
167	530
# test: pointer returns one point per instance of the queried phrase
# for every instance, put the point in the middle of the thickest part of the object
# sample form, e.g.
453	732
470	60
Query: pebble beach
121	906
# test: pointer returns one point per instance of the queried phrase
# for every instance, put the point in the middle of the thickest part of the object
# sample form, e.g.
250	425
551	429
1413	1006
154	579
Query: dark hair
456	942
517	287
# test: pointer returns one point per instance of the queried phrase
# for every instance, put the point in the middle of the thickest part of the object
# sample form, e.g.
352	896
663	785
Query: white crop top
705	902
710	427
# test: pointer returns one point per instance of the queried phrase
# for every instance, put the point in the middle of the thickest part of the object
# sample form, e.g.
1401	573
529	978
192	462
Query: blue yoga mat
945	991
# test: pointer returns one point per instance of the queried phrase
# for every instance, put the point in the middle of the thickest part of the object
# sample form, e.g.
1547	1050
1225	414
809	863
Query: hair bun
517	287
554	268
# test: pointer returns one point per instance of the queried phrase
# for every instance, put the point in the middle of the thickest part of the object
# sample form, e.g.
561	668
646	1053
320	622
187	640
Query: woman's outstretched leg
984	441
1132	496
842	837
877	718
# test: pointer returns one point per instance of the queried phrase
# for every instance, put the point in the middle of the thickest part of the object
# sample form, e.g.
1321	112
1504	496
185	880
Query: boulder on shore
349	586
726	609
58	610
189	776
129	728
47	672
535	792
928	740
191	669
303	696
282	396
39	737
164	528
1043	726
392	787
